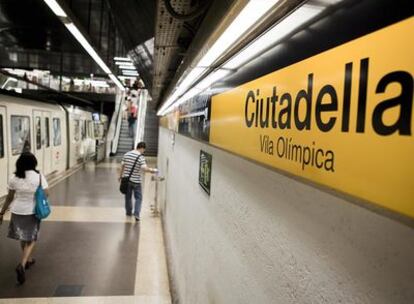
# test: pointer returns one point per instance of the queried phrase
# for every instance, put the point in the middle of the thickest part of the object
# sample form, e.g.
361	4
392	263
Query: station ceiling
32	37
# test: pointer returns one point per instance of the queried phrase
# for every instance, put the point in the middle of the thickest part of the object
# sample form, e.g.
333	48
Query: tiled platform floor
88	249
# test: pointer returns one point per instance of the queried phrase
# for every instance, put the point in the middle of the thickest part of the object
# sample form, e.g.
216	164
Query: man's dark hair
141	145
26	162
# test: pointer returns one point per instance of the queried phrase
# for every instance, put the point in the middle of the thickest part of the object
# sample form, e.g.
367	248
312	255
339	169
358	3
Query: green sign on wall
204	177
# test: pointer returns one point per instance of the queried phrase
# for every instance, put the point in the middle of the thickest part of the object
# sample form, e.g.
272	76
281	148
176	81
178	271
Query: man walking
133	165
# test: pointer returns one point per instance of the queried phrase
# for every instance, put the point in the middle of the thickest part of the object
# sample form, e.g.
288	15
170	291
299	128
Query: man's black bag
123	187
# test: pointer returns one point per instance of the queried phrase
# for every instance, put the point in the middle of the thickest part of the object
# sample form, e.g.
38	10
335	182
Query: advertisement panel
194	117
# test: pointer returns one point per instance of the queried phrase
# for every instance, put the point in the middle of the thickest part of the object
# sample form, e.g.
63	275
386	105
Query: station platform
88	250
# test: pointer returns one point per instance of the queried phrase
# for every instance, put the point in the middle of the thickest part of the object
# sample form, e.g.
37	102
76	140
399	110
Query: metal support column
61	71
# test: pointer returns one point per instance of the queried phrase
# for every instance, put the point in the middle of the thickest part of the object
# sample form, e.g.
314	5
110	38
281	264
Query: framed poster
204	176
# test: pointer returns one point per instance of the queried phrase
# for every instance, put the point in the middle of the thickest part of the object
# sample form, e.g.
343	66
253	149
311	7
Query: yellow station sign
343	118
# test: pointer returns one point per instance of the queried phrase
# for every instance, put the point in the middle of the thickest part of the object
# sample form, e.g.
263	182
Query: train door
38	146
3	153
47	147
43	150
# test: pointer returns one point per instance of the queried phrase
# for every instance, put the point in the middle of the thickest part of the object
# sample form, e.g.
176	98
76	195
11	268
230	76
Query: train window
20	134
77	130
57	134
83	135
47	135
87	129
38	133
91	128
1	137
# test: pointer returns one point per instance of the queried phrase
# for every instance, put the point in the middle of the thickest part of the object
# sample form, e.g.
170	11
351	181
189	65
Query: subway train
61	137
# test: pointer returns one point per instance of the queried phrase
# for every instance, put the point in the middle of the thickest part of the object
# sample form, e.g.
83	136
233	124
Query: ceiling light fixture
124	63
202	86
211	78
274	35
122	59
126	77
85	44
131	75
129	72
57	9
127	67
250	14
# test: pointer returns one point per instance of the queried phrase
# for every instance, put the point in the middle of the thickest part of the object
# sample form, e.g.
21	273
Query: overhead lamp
183	87
126	77
275	34
131	75
86	45
201	86
124	63
250	14
122	59
190	78
212	78
129	72
127	67
190	94
56	8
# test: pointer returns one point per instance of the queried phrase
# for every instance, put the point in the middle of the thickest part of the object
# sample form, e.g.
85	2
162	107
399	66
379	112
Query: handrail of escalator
115	127
118	126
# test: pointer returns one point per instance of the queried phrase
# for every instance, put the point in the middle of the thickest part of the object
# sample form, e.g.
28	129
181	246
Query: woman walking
24	226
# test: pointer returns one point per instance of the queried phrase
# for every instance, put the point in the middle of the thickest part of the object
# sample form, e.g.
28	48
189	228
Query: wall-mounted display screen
96	117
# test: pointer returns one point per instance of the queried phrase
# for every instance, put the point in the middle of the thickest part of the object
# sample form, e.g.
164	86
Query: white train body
41	128
81	136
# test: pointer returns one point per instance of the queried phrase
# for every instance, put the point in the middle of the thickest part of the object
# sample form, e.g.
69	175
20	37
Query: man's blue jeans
136	190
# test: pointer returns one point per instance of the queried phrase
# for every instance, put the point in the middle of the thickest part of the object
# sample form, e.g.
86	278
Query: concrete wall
262	237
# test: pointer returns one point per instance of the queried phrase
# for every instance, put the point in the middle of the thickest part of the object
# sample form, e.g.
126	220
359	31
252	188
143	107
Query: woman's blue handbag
42	207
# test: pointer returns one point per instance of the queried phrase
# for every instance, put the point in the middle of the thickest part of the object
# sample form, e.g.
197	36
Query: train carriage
60	137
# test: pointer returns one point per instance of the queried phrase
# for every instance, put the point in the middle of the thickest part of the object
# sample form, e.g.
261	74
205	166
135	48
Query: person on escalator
132	119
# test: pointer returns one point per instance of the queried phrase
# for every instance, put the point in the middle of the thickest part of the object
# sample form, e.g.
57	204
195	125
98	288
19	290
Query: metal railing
115	126
142	110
